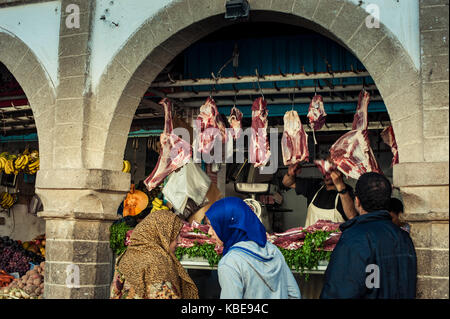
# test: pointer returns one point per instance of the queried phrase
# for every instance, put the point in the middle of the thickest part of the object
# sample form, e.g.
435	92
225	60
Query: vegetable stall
22	268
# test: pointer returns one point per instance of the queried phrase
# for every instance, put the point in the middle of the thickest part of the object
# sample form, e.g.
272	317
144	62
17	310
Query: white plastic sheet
189	182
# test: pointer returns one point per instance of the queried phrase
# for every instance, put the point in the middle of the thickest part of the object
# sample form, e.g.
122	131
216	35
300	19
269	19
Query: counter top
201	263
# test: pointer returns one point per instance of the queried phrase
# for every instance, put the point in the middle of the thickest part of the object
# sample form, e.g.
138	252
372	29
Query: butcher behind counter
328	198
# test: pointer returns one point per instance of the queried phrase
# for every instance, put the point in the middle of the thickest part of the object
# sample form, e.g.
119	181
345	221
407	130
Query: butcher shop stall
229	115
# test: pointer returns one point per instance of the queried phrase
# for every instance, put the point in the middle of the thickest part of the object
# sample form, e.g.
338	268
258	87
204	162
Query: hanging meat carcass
211	126
316	113
352	153
294	143
235	120
389	138
360	119
259	152
175	152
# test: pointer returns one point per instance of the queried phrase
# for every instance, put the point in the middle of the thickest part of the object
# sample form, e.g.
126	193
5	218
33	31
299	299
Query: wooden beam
254	78
268	91
302	100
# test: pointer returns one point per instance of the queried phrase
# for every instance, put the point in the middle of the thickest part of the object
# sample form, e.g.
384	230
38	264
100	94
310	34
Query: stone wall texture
83	132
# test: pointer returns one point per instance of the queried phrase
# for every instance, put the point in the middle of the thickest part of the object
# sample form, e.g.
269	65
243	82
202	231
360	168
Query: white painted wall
21	225
107	38
37	25
402	19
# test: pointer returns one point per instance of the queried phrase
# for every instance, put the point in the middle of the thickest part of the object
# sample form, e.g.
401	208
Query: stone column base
425	193
79	207
79	260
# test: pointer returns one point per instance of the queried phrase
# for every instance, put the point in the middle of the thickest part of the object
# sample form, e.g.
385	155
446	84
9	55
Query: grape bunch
13	258
14	261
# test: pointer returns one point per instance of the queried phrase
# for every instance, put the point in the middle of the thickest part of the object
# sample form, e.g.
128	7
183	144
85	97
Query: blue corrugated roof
270	55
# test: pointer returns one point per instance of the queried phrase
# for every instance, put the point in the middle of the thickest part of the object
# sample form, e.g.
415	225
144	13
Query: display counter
310	288
201	263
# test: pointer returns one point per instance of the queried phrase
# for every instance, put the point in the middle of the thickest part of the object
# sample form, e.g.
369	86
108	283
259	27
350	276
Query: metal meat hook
259	86
293	100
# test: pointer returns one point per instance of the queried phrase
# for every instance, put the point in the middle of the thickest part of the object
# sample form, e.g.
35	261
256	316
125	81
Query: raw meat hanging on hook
235	121
210	126
259	152
174	153
389	138
316	114
352	153
360	119
294	143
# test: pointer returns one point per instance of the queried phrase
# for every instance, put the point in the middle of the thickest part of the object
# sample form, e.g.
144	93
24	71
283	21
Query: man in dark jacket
374	258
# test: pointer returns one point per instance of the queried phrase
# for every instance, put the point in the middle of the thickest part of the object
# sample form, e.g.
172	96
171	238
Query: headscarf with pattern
148	259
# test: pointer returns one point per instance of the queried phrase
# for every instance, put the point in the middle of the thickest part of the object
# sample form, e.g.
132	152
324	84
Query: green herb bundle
309	255
305	258
206	251
118	233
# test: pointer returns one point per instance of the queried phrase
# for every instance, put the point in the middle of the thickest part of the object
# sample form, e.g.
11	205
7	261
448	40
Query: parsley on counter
309	255
206	251
118	232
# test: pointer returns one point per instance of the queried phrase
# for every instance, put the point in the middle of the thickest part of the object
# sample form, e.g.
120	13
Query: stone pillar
425	185
79	207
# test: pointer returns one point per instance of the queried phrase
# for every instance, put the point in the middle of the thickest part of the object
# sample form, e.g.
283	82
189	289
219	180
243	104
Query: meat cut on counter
196	233
259	152
389	138
175	152
294	143
210	126
293	238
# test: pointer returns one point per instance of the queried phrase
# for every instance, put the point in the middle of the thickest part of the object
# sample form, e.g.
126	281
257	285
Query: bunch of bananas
158	205
26	162
8	166
21	162
126	166
7	200
33	163
32	167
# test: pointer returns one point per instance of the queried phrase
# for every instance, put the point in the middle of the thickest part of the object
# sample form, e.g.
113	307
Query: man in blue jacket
374	258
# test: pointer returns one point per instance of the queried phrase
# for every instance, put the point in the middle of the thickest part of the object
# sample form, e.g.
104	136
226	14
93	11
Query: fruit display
126	166
158	205
29	286
7	200
14	258
36	246
26	162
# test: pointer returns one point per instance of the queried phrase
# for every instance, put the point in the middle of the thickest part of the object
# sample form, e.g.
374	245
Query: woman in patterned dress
148	269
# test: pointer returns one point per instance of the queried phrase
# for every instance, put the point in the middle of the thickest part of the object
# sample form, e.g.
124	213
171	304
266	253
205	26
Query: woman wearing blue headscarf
251	267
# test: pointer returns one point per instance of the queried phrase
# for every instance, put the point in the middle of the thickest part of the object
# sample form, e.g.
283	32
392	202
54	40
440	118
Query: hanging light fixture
237	9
